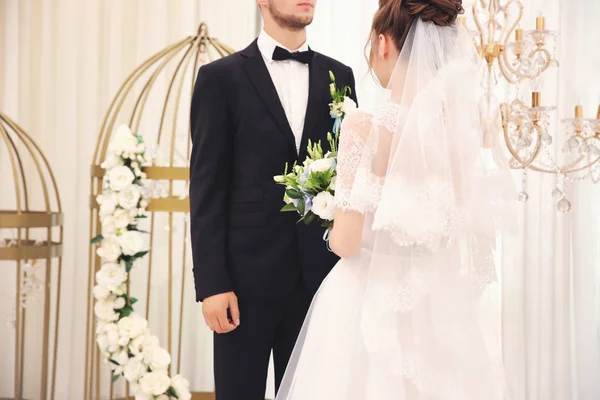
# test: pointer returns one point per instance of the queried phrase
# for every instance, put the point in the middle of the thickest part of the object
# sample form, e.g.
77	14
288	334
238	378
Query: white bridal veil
433	205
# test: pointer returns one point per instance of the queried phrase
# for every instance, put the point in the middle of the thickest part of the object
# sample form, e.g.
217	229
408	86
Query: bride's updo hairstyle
395	17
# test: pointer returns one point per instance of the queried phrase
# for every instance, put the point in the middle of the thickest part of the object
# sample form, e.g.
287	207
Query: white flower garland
122	335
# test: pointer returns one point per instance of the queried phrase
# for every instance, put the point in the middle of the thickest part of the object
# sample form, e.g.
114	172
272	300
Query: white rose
120	358
121	289
120	177
131	242
322	165
124	140
102	341
159	359
181	387
134	369
119	303
112	160
332	183
324	206
104	310
101	292
155	383
112	337
132	326
111	275
141	395
349	105
109	249
108	226
129	197
142	344
121	219
107	205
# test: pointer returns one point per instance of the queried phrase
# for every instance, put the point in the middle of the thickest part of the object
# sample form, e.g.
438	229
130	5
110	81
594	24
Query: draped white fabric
61	62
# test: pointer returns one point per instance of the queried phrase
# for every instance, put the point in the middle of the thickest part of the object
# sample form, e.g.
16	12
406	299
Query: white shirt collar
266	45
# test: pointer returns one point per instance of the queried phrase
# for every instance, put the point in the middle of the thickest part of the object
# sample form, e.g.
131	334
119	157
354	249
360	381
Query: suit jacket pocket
247	218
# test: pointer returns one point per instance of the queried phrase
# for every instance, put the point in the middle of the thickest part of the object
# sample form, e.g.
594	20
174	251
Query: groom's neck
292	40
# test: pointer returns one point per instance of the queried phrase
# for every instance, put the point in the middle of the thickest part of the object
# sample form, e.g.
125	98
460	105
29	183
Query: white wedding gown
379	331
399	321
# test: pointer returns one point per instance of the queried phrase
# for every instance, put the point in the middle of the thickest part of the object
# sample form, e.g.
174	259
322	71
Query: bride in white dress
418	210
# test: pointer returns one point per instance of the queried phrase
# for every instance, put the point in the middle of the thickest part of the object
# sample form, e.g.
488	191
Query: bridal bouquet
310	187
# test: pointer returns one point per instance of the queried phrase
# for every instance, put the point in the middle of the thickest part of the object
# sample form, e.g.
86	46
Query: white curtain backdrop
61	62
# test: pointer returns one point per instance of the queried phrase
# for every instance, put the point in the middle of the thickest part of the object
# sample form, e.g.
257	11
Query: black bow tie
305	57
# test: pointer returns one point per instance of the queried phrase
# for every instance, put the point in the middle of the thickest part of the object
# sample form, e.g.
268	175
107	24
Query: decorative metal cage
154	101
31	237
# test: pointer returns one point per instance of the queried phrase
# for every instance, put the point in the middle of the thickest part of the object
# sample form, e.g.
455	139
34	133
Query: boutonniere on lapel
310	187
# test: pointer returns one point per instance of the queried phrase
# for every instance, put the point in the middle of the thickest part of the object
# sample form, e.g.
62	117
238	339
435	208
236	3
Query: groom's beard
288	21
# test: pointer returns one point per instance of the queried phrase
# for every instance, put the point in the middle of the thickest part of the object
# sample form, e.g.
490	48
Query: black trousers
241	357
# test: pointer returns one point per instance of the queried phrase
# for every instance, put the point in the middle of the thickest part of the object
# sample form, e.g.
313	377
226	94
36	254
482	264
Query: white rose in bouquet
141	395
120	358
109	226
119	303
333	183
134	369
130	197
111	275
322	165
349	105
124	141
120	177
155	383
132	326
121	219
158	358
109	249
112	160
324	206
104	310
131	242
102	342
181	387
111	331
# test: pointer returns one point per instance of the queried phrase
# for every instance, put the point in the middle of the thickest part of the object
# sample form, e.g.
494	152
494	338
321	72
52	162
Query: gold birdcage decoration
31	236
154	101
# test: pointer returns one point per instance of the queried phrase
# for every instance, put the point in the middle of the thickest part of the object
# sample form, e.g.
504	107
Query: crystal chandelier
522	123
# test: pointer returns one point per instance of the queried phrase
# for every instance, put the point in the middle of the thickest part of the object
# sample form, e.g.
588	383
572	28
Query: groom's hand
215	309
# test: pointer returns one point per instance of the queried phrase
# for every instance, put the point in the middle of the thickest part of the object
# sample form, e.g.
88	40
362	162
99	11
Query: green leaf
301	206
128	266
142	216
133	300
289	207
310	218
293	194
115	378
126	311
113	361
97	239
140	254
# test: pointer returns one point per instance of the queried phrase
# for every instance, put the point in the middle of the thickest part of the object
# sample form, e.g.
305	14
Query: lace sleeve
359	178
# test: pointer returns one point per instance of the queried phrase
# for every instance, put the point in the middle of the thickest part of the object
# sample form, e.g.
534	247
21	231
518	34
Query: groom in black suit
255	268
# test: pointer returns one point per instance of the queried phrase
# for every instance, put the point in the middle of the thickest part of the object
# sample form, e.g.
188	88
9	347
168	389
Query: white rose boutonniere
131	242
120	177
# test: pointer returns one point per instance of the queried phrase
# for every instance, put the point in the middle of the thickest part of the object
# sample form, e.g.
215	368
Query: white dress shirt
291	80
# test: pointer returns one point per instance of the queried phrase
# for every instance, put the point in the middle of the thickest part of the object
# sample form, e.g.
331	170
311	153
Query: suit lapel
317	102
261	80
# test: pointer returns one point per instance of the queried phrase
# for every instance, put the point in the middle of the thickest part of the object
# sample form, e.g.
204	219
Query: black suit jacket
241	138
